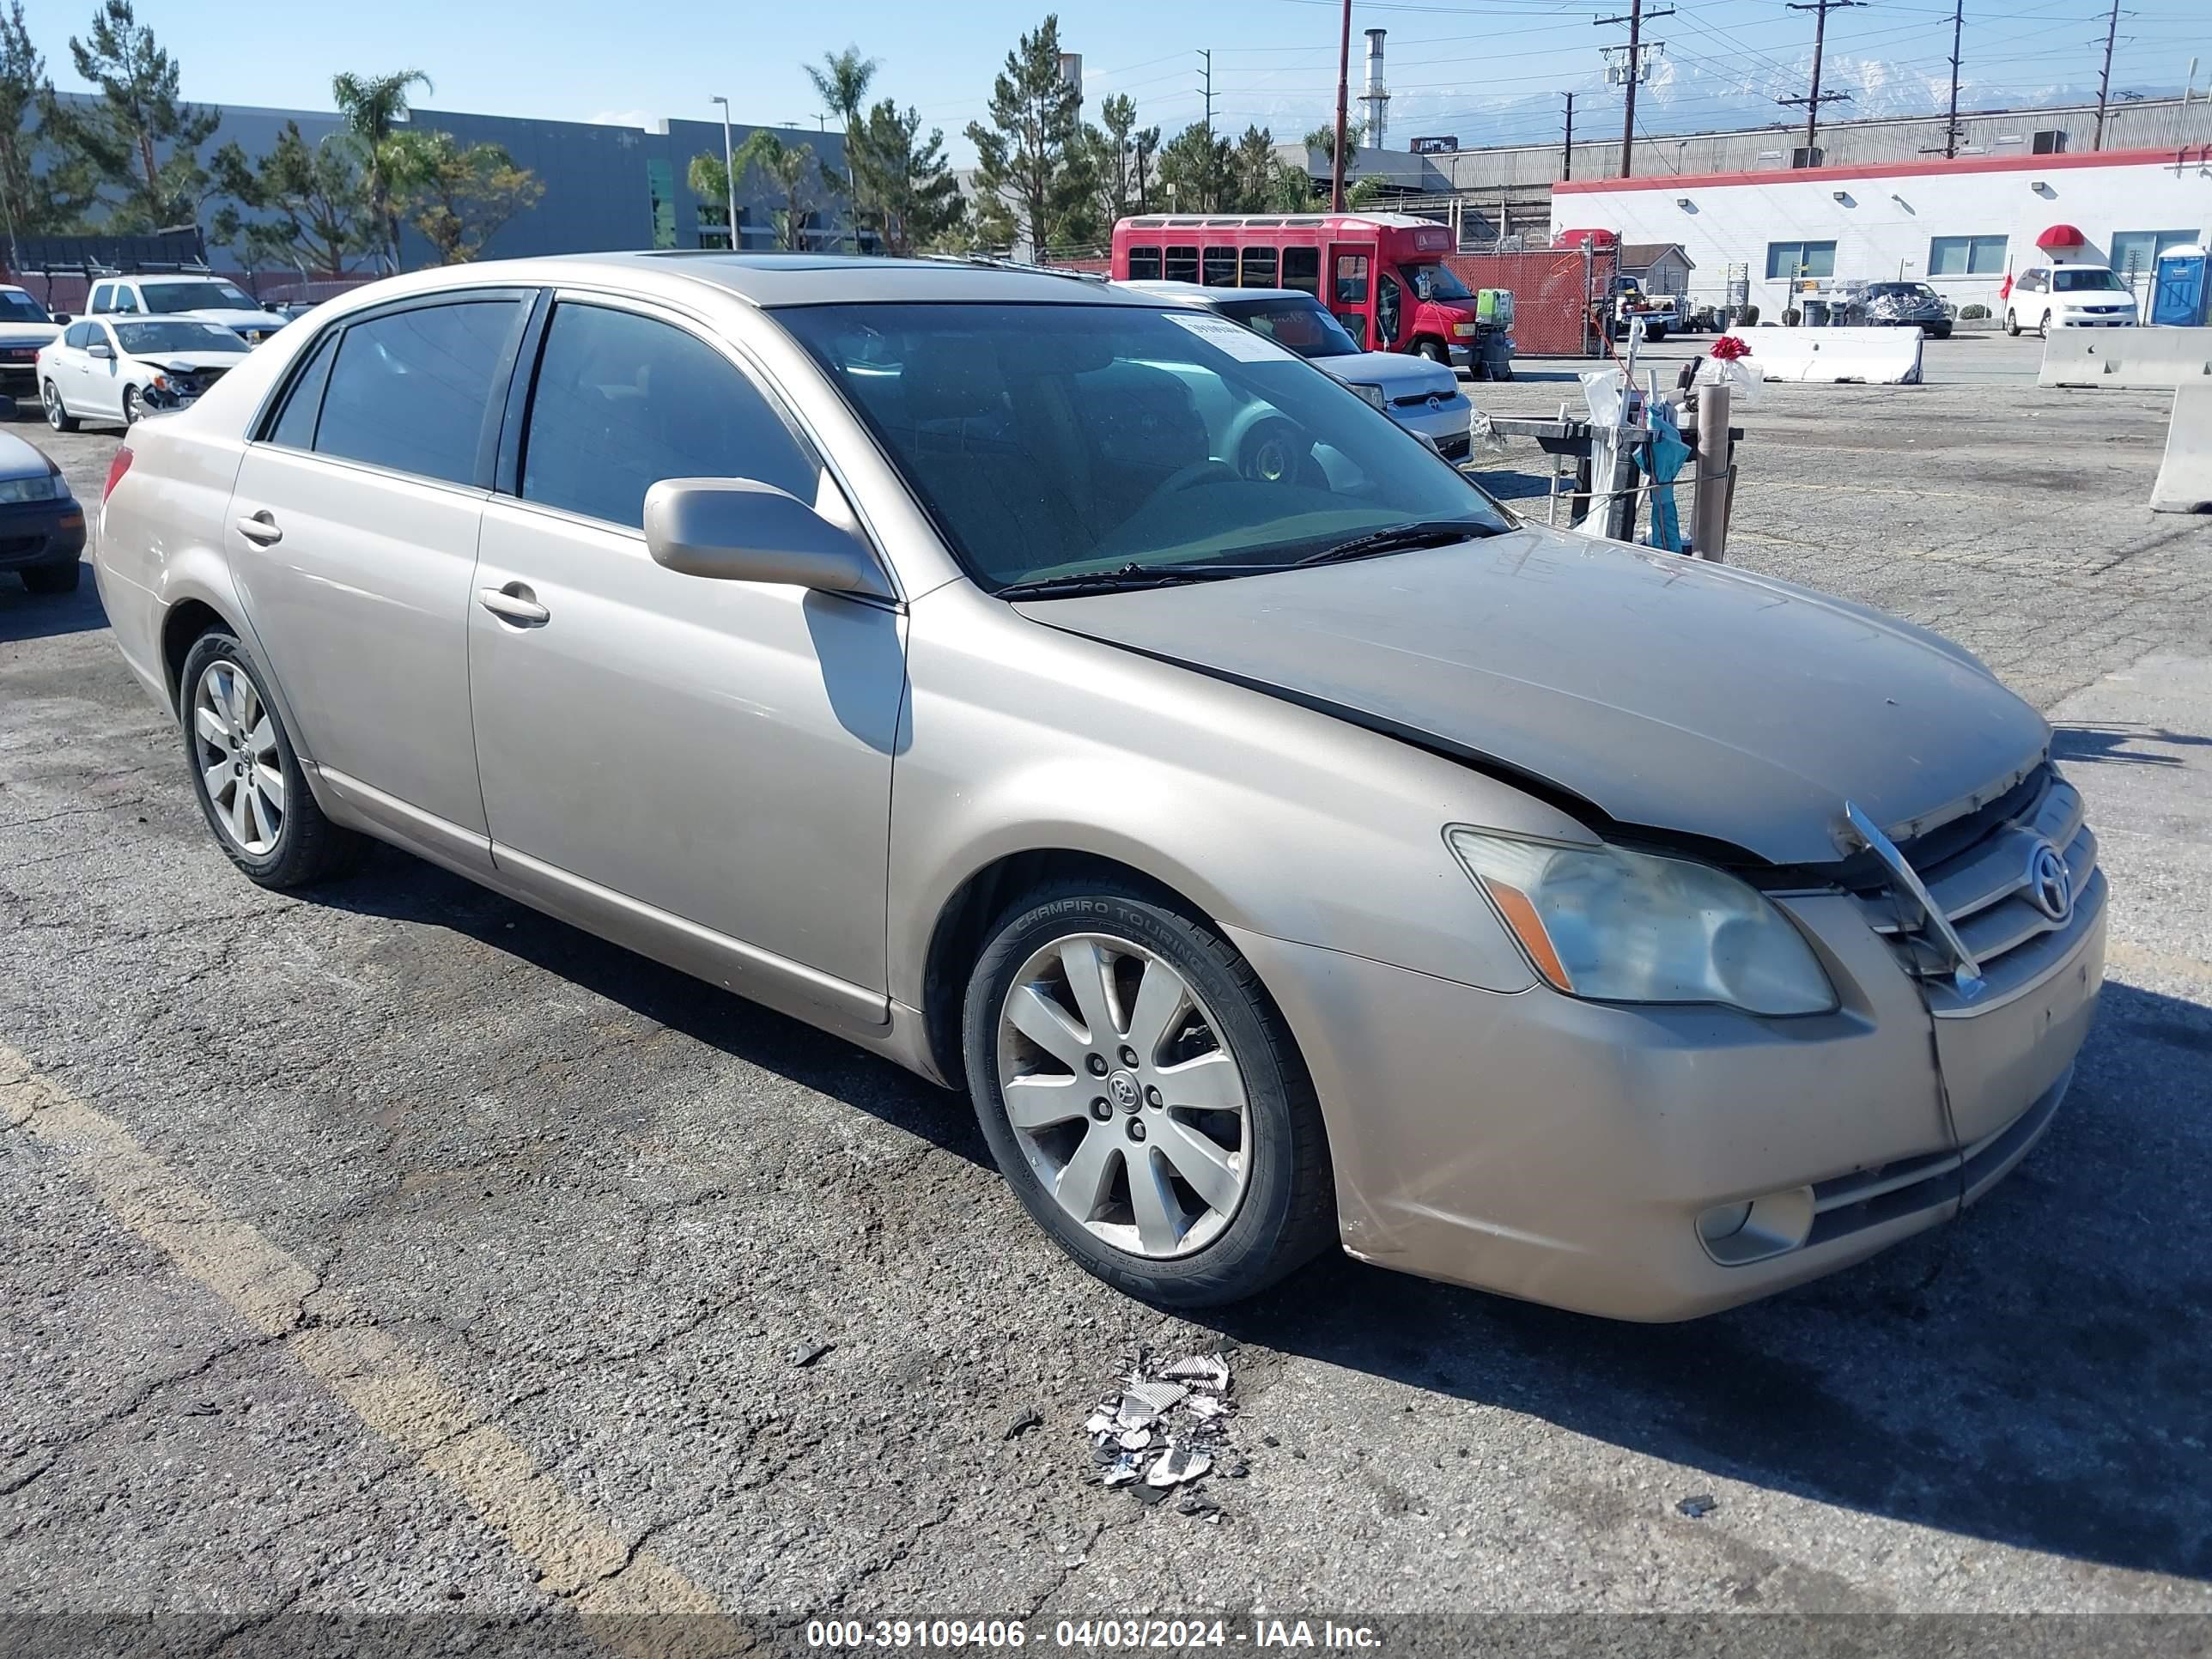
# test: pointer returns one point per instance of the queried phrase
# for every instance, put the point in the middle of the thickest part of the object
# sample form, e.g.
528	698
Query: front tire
1143	1099
2044	330
2012	325
246	777
58	415
1436	352
133	406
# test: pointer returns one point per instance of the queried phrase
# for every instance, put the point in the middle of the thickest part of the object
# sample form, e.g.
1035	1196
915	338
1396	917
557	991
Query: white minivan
2044	297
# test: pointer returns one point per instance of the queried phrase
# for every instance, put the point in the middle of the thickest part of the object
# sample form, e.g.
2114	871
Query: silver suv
1277	853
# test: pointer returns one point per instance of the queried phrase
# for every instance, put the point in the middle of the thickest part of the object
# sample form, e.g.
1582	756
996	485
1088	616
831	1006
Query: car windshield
21	308
1901	291
1299	325
2076	281
147	339
1053	441
1434	282
169	298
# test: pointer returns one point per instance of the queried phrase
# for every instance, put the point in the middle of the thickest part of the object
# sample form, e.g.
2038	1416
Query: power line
1815	98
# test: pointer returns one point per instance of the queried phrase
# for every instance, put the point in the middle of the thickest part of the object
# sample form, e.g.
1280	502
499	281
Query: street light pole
729	170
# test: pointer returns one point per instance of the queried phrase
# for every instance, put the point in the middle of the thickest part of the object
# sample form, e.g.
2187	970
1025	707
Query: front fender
1267	816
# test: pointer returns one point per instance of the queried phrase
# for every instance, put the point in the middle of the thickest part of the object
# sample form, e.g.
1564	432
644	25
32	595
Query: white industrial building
1961	225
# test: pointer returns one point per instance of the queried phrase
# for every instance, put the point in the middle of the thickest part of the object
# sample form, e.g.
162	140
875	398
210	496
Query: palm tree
373	106
842	83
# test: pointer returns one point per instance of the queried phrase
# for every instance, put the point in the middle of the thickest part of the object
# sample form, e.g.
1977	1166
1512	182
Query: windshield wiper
1126	578
1400	538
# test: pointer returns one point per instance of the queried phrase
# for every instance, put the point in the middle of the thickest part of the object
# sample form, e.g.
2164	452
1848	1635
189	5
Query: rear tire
54	578
244	773
58	415
1262	1188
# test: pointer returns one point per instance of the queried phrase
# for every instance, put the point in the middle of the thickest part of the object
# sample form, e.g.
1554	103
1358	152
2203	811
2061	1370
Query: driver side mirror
101	351
740	530
59	318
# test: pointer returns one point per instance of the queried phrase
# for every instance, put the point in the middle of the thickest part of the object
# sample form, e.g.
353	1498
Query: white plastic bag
1601	391
1742	376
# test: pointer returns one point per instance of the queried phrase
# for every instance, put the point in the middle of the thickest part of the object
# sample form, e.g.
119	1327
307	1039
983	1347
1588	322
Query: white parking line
621	1598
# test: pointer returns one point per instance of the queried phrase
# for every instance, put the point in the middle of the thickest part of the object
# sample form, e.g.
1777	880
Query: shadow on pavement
2033	1374
28	616
401	888
2110	744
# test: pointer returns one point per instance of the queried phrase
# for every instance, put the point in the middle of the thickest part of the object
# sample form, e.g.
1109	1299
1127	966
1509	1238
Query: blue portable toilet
2179	294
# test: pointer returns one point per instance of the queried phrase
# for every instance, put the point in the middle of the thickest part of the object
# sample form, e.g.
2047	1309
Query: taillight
116	469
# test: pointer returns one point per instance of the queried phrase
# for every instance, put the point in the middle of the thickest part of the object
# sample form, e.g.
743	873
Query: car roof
771	280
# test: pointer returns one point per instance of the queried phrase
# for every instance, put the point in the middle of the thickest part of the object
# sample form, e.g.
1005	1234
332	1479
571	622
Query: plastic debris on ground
1699	1506
1166	1429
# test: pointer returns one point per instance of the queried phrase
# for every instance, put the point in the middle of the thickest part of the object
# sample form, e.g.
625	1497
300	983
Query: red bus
1383	274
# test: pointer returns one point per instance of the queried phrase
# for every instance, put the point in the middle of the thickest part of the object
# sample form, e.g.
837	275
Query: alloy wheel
235	747
51	398
1124	1096
133	406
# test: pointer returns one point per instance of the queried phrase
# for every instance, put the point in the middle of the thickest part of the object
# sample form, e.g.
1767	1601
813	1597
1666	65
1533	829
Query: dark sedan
41	523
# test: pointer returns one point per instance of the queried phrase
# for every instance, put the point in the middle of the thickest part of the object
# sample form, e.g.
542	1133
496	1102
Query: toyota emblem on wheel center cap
1127	1095
2050	883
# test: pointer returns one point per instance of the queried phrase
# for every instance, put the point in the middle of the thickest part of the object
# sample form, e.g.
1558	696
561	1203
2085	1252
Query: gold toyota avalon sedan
1084	701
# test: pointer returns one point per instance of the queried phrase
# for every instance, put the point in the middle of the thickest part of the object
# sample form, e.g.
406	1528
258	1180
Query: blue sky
1488	72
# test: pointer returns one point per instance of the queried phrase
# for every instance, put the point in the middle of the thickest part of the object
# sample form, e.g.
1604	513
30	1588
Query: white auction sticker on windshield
1239	342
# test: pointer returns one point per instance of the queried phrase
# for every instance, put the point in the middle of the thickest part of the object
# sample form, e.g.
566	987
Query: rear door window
623	401
411	390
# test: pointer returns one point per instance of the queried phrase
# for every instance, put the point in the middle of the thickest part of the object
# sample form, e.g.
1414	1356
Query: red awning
2061	236
1578	238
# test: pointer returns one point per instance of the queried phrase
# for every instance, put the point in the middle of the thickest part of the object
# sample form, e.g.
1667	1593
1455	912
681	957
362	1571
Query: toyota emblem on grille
2050	883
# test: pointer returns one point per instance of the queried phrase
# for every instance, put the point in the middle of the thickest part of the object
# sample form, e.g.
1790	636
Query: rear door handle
514	603
260	527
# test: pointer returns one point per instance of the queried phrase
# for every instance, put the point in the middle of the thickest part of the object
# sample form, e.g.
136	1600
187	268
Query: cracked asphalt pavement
396	1253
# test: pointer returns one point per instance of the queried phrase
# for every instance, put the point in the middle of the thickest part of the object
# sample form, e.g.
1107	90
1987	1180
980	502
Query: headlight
46	487
1614	925
1373	394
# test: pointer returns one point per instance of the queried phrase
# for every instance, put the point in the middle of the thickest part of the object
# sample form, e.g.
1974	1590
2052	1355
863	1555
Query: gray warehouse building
606	187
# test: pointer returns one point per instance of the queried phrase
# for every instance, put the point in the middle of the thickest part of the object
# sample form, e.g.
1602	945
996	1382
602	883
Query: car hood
267	319
1398	374
1667	693
194	360
33	334
19	460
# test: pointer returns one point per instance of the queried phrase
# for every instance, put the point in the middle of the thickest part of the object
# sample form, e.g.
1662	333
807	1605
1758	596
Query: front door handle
260	527
514	603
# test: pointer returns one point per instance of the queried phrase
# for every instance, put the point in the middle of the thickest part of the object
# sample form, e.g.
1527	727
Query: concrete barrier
1879	356
2134	357
2184	477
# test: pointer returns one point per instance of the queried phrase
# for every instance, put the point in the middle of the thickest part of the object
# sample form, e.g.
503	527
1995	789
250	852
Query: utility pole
1635	22
2104	80
1567	150
1343	82
1950	147
1207	54
1813	100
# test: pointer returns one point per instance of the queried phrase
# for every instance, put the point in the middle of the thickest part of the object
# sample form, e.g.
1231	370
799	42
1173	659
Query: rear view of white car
118	369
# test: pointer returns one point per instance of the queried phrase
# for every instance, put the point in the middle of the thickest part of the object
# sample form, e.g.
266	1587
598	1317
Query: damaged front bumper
1658	1163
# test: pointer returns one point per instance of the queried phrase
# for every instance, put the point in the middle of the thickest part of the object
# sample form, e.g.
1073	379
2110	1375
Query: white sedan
117	369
